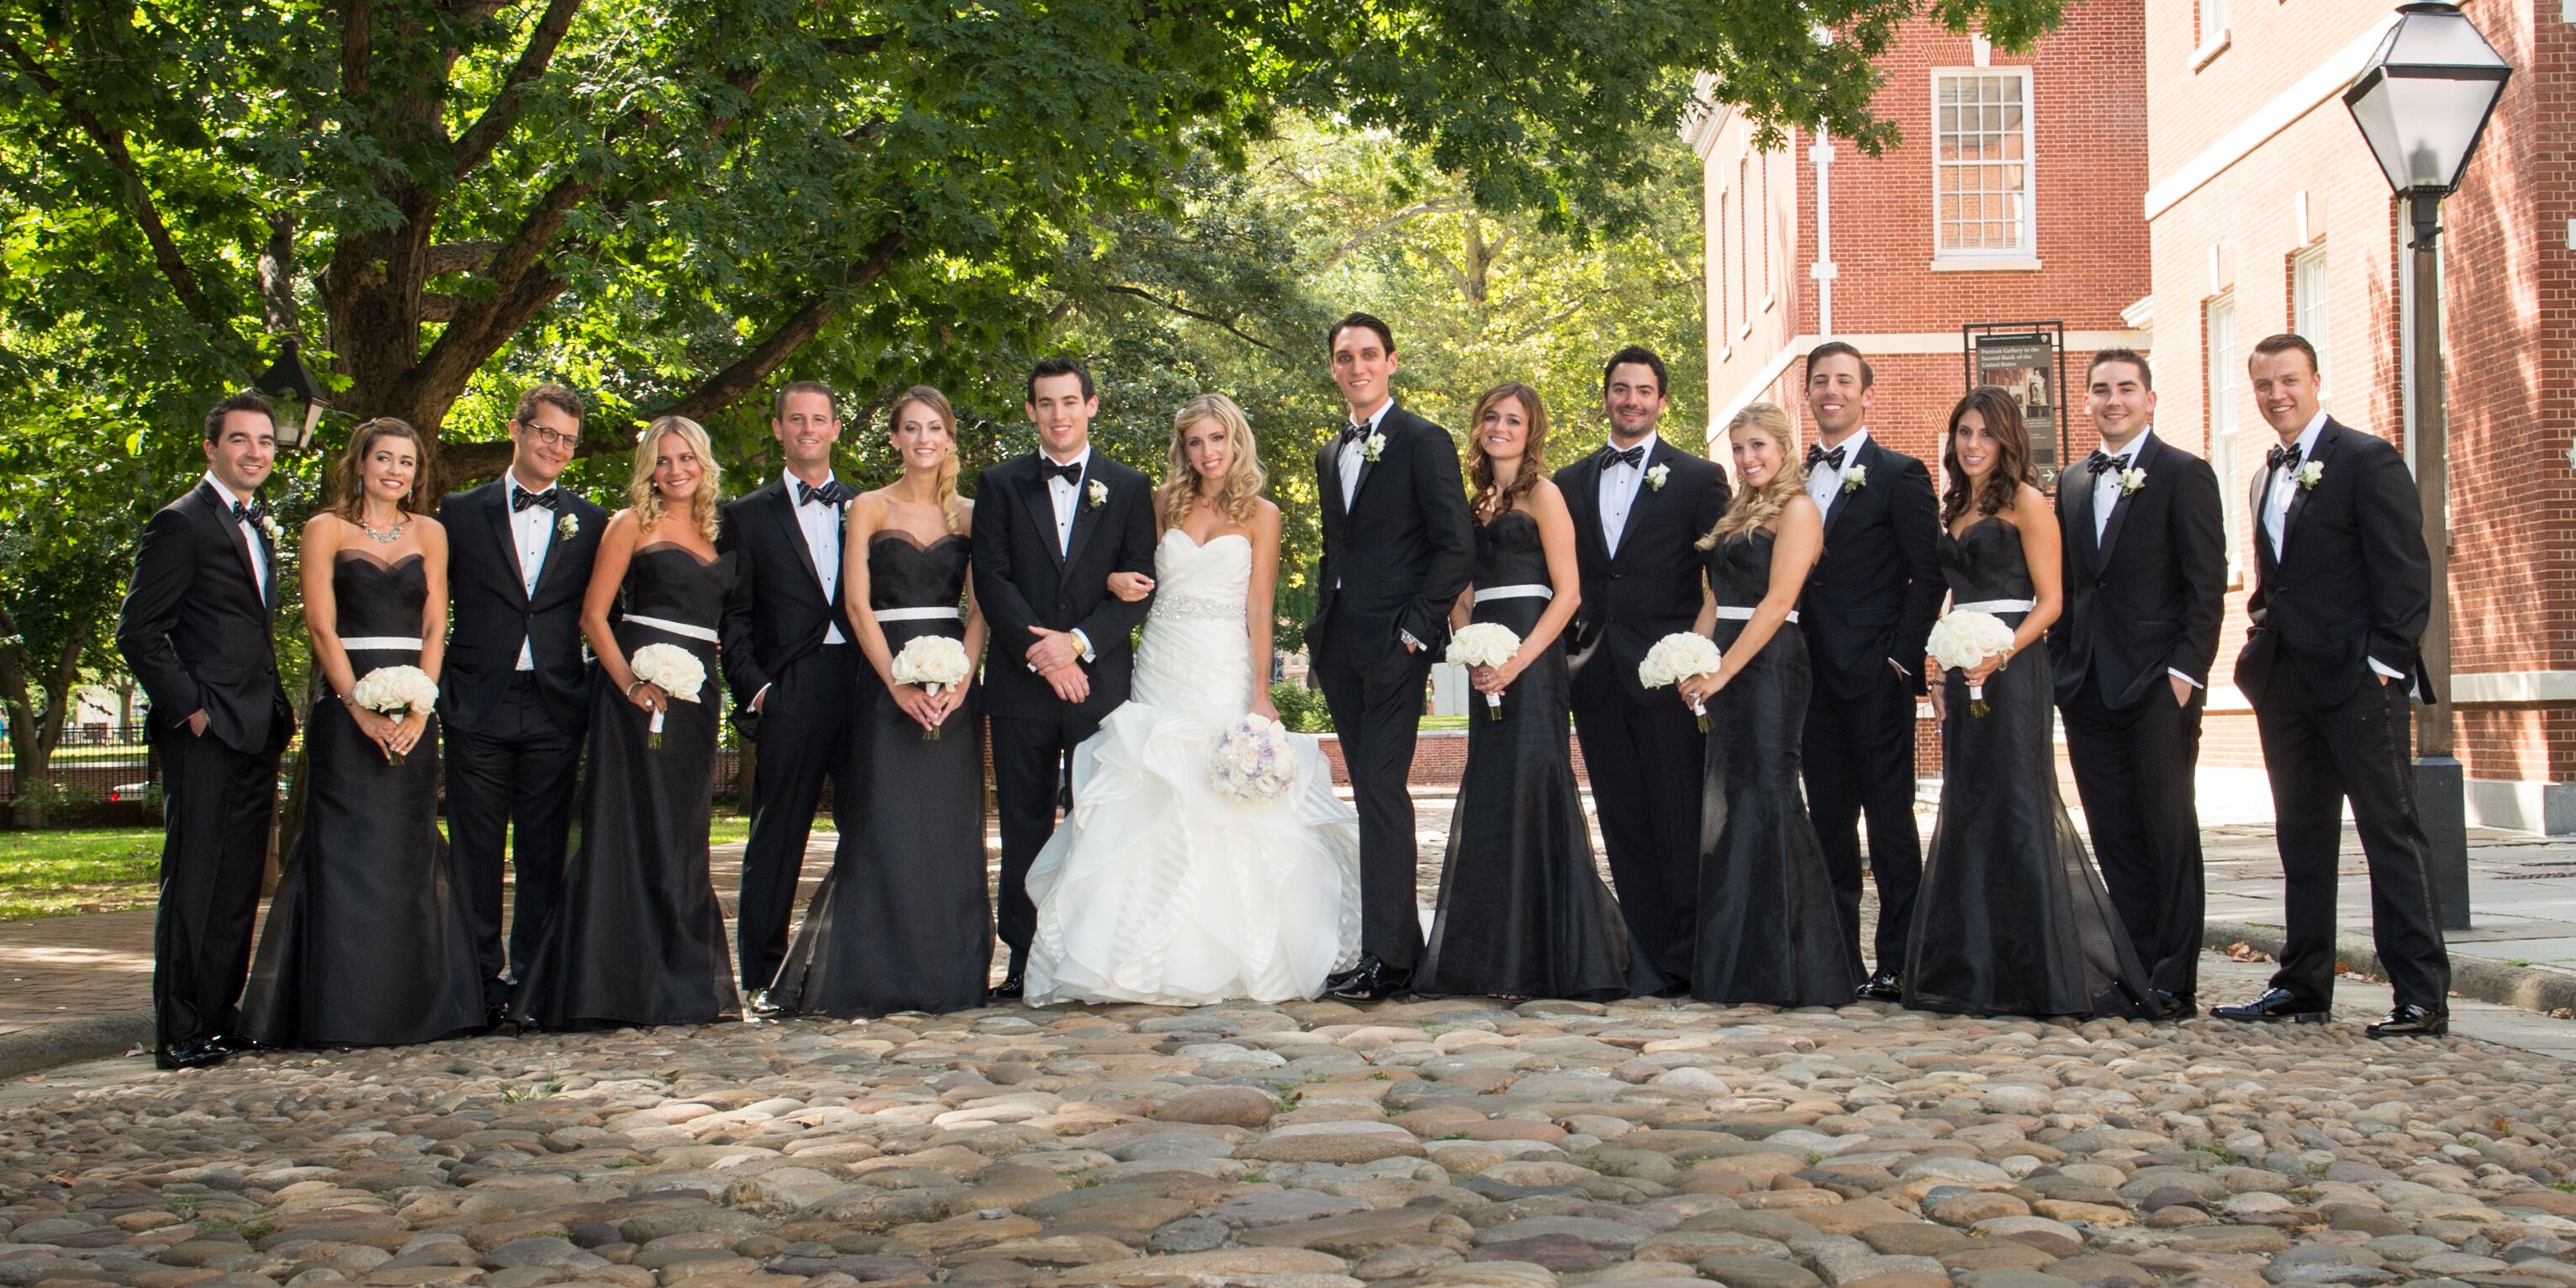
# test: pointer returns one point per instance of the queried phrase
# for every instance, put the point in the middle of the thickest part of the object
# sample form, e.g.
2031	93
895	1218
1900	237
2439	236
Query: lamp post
288	378
2421	101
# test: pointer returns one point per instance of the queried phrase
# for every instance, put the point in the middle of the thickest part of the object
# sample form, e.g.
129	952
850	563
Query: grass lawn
737	827
1451	723
50	874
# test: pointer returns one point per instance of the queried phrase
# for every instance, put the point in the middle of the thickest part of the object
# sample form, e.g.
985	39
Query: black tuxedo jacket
1651	588
776	611
1023	579
1877	586
2147	595
1396	558
494	612
197	632
2351	582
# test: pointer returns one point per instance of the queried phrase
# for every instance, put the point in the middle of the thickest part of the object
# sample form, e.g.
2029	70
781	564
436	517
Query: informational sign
2027	360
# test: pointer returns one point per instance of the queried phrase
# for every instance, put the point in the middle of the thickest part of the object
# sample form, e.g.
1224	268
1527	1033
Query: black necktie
521	499
831	493
1632	457
2282	456
1071	474
1833	458
2101	462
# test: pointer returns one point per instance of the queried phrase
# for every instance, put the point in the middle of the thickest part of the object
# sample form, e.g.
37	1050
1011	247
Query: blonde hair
944	483
1490	500
647	499
1753	507
1239	490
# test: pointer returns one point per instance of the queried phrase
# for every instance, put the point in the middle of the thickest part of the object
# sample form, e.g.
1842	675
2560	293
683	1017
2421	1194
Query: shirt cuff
2182	677
2386	670
756	697
1083	642
1407	637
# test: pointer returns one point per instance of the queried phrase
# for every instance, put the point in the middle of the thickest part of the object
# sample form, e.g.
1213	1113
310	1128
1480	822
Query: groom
1398	547
1050	528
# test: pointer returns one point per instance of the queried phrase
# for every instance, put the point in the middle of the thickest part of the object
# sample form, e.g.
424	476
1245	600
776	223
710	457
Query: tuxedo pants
1646	763
217	806
1032	788
2134	772
1376	704
2320	755
804	736
1859	761
510	791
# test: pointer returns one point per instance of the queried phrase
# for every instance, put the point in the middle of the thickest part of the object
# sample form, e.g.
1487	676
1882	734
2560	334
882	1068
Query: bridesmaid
2012	918
1769	929
1523	912
637	936
368	942
902	922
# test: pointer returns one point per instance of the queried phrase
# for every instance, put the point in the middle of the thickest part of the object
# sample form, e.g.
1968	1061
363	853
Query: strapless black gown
902	922
637	936
2012	918
1769	929
368	942
1523	912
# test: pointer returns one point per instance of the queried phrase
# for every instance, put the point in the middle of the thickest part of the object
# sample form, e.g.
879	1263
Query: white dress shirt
532	533
1618	494
822	526
1067	495
2106	485
260	572
1825	482
2279	489
1354	454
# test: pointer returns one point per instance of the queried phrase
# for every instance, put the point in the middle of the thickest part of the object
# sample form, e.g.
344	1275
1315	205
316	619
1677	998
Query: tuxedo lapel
2079	516
1845	500
1636	502
1583	503
1328	468
2298	495
498	511
1086	516
1041	507
785	510
2121	498
219	514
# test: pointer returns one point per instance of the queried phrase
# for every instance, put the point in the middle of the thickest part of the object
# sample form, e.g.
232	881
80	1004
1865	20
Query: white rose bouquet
934	662
1485	644
1678	657
1254	760
1963	641
395	691
672	669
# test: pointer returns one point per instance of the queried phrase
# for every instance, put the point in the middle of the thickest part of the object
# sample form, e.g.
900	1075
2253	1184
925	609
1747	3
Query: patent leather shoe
2274	1006
1371	981
2412	1021
1013	987
191	1053
761	1006
1885	986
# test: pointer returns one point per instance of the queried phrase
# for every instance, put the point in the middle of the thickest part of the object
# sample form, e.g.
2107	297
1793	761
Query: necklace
387	536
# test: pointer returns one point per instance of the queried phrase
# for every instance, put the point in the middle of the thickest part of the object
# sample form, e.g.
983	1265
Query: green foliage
46	874
1301	708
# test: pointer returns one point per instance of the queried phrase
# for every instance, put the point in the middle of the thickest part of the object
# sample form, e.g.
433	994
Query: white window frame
2209	32
2311	304
2026	252
2218	389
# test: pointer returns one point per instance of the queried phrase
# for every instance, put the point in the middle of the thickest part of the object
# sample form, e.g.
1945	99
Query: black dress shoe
1342	979
1884	986
761	1006
1374	981
2174	1006
190	1053
2276	1004
2412	1021
1013	986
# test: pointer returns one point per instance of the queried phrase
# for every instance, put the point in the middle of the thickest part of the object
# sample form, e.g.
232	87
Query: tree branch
1435	206
748	371
1224	324
111	142
486	133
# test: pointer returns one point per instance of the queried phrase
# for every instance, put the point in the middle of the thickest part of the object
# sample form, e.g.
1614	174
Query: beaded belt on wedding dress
1514	592
1730	613
1201	607
681	629
379	644
1995	606
919	615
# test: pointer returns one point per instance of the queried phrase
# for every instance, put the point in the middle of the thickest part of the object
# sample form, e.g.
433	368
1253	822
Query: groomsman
791	660
2341	595
515	696
1867	609
1050	527
1640	504
2145	542
196	632
1398	547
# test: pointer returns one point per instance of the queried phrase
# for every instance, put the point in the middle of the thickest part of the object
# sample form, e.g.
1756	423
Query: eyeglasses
550	436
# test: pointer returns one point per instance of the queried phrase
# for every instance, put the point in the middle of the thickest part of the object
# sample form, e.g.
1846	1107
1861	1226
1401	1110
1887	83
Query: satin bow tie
1352	434
2282	456
1069	473
831	493
1833	458
1632	457
521	500
2101	462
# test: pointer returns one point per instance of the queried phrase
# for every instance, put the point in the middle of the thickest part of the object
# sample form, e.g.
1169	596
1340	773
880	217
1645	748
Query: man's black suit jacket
1652	587
1877	587
1024	579
2351	582
1397	556
494	613
2145	597
776	611
197	632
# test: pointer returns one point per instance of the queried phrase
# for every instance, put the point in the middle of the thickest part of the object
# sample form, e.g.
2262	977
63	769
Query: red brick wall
1439	758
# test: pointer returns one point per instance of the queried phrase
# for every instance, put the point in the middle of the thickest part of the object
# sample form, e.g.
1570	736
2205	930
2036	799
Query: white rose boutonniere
2131	480
2308	473
268	527
1099	492
1655	477
1855	478
568	526
1373	447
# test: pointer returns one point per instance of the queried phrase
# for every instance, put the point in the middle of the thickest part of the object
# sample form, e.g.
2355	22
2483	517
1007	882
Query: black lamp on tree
287	378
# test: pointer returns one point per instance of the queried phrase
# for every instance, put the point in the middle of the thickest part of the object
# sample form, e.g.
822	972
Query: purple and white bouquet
1254	760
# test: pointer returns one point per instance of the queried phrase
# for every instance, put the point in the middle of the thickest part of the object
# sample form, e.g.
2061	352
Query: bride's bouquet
1963	641
395	691
934	662
1678	657
1254	760
1485	644
672	669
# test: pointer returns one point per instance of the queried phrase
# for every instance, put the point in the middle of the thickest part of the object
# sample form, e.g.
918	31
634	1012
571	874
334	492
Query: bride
1157	888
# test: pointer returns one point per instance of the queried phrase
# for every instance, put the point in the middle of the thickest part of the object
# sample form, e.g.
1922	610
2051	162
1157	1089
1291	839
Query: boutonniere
568	526
2131	480
1373	447
1099	492
1855	478
2308	473
1656	476
268	527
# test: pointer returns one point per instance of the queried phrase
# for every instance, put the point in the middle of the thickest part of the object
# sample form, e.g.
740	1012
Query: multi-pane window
2308	305
1981	162
2219	317
2213	20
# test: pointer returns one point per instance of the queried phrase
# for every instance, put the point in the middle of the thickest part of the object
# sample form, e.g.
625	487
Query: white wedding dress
1157	888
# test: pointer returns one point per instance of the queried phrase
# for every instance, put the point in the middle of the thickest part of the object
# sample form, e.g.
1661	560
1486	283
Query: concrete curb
2531	988
91	1037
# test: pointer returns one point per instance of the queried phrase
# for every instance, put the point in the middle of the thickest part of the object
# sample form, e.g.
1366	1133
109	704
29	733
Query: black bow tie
1632	457
2101	462
521	499
1353	433
1833	458
1069	473
831	493
2282	456
255	512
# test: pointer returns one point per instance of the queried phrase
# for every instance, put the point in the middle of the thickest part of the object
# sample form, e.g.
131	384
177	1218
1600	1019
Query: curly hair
1491	499
1753	507
647	499
2012	464
1239	491
348	477
944	485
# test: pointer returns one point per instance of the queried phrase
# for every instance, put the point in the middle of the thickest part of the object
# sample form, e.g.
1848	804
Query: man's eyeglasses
550	436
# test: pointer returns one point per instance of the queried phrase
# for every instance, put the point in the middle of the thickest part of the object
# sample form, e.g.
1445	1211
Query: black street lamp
287	378
2421	102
